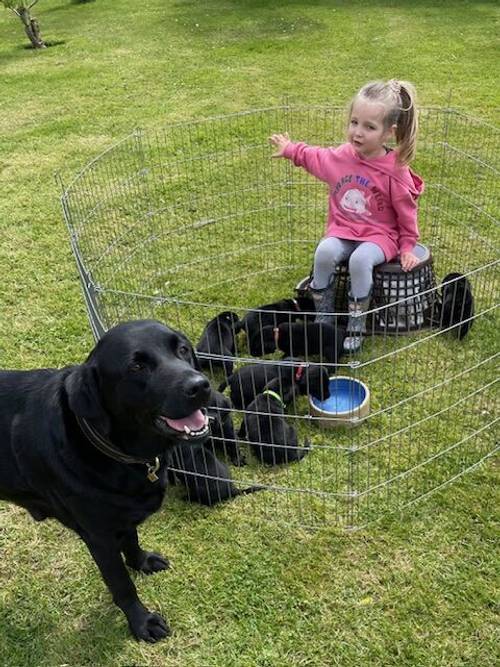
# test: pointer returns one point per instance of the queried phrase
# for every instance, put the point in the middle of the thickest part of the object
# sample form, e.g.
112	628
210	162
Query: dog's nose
198	387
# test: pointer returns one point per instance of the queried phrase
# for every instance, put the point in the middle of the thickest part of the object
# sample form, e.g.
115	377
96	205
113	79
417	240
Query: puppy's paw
239	460
149	627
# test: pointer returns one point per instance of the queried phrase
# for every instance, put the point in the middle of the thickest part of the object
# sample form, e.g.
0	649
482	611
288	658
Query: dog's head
315	381
283	336
305	304
284	305
227	318
142	376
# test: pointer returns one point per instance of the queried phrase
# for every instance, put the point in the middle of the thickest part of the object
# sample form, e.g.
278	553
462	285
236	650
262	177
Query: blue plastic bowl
348	404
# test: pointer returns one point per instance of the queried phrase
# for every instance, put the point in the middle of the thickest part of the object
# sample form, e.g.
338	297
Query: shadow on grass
39	640
271	19
67	5
48	44
339	4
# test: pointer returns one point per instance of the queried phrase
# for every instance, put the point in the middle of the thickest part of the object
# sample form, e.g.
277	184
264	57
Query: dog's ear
84	399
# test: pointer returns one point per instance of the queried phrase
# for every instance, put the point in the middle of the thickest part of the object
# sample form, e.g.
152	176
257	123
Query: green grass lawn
417	589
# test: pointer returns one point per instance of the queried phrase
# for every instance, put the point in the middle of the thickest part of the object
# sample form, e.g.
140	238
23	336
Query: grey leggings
363	256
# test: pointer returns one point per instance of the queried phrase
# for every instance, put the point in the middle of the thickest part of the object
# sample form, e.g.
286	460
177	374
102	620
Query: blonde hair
399	100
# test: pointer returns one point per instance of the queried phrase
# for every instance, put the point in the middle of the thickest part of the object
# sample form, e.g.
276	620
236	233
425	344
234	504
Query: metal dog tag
153	469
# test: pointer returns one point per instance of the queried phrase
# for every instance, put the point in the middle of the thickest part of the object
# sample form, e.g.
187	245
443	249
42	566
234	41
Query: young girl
372	211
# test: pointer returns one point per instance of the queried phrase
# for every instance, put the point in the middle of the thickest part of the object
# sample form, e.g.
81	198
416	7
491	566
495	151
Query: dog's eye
136	367
184	350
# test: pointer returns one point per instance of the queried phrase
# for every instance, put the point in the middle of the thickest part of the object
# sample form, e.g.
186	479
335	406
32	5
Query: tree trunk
32	28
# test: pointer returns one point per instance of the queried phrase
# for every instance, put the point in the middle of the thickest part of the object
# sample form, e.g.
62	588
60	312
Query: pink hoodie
370	200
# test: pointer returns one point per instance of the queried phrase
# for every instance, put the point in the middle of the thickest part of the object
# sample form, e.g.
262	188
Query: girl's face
366	132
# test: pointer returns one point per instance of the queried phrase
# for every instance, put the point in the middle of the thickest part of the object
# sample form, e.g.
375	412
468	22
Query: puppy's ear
84	398
235	322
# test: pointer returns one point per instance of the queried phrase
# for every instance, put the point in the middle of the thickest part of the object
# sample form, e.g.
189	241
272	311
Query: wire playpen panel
184	223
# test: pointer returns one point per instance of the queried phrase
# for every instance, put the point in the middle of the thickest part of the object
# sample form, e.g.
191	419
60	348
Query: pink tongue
194	422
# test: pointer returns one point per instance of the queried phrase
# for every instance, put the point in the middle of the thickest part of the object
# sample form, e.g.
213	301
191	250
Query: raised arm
314	159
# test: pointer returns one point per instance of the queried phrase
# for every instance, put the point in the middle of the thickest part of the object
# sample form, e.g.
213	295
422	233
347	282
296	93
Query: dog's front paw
149	627
153	562
149	562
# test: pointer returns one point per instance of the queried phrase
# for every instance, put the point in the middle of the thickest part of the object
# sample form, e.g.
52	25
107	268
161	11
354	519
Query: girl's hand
408	261
280	142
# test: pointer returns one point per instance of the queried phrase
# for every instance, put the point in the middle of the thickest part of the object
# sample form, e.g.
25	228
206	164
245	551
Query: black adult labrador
84	445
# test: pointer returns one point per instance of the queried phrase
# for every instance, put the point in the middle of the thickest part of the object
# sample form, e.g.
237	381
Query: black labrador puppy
273	314
301	339
272	440
87	445
222	436
249	381
219	338
457	305
206	478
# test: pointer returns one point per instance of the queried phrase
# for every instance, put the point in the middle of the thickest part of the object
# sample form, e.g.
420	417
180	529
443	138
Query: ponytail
407	123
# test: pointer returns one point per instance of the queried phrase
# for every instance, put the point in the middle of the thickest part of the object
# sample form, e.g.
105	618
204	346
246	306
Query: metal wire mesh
194	219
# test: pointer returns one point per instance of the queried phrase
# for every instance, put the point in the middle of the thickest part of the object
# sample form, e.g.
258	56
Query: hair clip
395	86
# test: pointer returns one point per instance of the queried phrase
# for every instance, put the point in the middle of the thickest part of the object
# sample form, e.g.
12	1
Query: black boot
324	302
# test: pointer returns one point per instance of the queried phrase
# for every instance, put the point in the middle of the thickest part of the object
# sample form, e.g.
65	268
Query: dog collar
272	393
299	373
106	447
